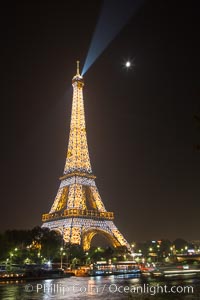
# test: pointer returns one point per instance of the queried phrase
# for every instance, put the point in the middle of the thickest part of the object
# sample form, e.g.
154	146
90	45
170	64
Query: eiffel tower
78	212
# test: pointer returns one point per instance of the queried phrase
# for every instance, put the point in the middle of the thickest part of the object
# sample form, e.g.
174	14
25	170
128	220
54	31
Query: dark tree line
40	245
35	244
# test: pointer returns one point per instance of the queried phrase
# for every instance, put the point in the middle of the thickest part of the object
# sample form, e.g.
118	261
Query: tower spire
77	155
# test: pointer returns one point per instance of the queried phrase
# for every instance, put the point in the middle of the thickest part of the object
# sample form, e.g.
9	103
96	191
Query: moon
128	64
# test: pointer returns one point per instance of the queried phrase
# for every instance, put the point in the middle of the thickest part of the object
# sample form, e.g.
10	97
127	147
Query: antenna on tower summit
77	72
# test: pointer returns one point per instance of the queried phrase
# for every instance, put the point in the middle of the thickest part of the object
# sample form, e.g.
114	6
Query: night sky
140	123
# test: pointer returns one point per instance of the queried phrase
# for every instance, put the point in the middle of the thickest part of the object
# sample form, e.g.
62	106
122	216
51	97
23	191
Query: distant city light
191	251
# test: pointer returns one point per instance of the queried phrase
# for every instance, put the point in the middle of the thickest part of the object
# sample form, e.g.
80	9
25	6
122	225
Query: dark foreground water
101	288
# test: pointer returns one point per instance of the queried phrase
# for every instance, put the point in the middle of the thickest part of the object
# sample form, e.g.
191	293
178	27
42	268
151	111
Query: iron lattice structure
78	212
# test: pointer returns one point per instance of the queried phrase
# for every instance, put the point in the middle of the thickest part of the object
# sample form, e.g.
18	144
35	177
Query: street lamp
11	257
61	257
132	246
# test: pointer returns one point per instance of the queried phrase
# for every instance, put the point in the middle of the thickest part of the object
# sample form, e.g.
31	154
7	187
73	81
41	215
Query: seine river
101	288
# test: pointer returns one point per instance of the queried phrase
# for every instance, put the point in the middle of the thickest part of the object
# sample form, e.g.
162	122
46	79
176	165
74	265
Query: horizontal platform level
74	212
80	174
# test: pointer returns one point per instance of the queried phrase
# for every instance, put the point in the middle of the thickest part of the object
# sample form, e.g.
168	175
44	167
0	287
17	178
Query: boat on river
118	268
176	271
29	275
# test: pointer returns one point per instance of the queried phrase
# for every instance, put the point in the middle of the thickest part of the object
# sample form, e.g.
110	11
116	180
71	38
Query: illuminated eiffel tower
78	212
